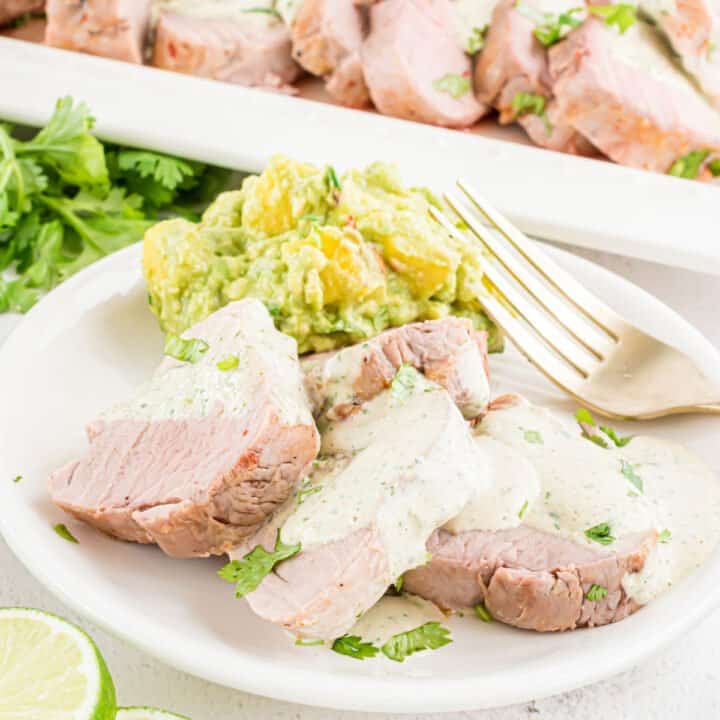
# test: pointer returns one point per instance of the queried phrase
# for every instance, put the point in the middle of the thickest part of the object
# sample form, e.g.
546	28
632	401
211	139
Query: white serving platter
579	201
93	340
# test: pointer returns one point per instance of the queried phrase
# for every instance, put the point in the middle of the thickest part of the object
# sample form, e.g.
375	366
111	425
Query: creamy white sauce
267	368
217	9
414	465
582	485
393	615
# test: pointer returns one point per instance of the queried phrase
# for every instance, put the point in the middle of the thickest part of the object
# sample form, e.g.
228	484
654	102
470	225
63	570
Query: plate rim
258	678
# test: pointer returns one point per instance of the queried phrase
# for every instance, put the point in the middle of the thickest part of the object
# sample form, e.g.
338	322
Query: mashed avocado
335	260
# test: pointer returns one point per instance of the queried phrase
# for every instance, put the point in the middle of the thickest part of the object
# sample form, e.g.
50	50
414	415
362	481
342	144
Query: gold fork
571	336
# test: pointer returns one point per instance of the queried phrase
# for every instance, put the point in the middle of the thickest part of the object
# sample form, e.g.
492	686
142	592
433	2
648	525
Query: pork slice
327	36
625	95
693	29
402	468
110	28
530	579
415	67
252	49
200	457
12	9
447	351
514	61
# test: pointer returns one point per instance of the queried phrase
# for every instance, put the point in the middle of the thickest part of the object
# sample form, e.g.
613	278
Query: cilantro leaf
64	533
301	642
249	572
229	363
66	146
354	647
17	478
689	165
596	593
622	15
454	85
531	104
264	10
533	437
665	536
168	171
307	489
550	28
430	636
403	383
476	40
185	349
524	507
600	533
483	613
399	583
630	473
612	434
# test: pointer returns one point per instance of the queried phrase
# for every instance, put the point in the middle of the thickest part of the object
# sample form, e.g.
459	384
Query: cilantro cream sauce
413	466
553	479
267	369
218	9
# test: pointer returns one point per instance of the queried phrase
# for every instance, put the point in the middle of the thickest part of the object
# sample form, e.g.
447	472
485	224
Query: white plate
92	340
574	200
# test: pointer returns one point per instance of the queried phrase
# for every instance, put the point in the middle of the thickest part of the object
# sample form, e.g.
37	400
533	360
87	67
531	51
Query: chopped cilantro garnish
523	509
17	478
332	179
354	647
265	10
64	533
612	434
531	104
249	572
689	165
600	533
630	473
583	415
228	363
550	28
190	350
714	167
533	437
665	536
399	583
622	15
307	489
308	643
596	593
476	41
454	85
430	636
403	383
482	612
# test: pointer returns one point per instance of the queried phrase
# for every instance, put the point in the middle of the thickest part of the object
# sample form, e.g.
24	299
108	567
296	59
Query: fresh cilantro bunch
66	200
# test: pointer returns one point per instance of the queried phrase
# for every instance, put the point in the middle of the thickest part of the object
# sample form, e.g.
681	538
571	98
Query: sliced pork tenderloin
111	28
514	64
399	469
693	29
12	9
447	351
201	456
245	48
624	94
327	37
528	578
415	67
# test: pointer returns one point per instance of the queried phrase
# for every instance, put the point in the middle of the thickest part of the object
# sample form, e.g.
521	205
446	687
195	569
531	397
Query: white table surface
681	683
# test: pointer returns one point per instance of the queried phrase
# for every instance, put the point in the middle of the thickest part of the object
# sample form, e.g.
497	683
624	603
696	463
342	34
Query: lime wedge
146	713
50	670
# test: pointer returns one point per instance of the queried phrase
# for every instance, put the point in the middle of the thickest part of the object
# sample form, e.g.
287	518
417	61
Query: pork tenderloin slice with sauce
327	37
530	579
412	46
513	61
625	95
12	9
408	465
693	29
109	28
200	457
252	49
447	351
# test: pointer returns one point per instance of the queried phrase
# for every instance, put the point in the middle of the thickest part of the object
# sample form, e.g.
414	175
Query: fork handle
709	409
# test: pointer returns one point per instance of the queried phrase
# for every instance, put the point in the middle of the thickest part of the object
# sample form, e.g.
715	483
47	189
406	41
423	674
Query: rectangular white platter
578	201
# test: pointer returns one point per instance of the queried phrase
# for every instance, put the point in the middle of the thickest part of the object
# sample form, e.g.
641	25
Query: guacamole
335	259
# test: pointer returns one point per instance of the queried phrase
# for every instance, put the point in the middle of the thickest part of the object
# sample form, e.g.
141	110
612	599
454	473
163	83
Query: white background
682	682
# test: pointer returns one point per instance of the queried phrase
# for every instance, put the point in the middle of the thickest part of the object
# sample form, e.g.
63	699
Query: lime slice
146	713
50	670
